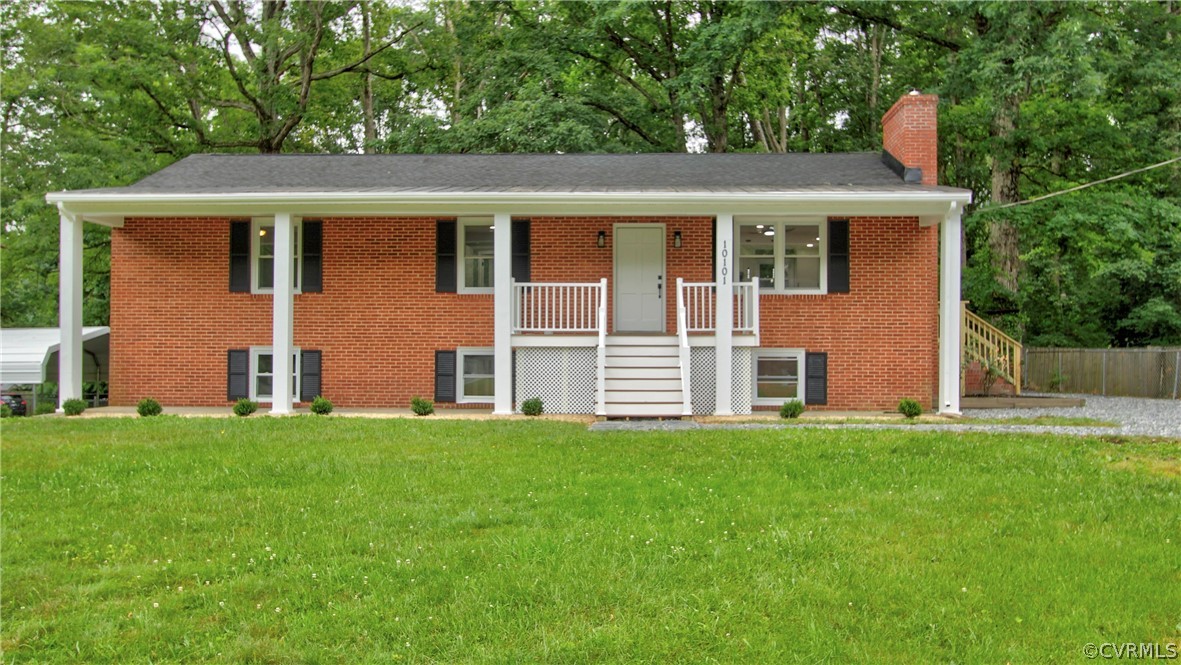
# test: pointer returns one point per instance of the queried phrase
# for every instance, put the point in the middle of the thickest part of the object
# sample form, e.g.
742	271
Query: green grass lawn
333	540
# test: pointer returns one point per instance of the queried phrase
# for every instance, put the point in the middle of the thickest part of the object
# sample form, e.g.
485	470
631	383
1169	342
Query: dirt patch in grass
1169	467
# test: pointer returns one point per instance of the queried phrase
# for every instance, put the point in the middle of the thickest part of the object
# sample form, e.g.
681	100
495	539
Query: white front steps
643	375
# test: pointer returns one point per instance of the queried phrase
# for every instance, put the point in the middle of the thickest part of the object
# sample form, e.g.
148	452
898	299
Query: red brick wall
882	336
910	133
974	382
379	320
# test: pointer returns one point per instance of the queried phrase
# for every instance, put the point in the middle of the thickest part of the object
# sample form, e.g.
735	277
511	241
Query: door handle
659	285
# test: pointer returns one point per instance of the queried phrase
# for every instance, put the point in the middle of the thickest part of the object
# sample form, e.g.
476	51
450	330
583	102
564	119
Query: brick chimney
910	138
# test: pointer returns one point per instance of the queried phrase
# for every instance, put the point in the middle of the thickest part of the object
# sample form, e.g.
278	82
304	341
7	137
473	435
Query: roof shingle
235	173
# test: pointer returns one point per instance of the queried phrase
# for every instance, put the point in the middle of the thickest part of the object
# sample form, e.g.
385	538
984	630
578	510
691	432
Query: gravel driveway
1136	416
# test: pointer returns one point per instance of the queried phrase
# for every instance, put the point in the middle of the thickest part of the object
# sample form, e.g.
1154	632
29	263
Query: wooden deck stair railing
984	343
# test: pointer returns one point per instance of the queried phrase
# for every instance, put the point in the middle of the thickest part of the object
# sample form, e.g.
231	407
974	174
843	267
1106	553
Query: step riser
643	397
634	361
641	340
644	410
660	373
653	351
644	384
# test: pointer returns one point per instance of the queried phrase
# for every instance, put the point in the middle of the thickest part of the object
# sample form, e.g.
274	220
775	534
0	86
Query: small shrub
993	368
910	408
532	407
5	411
245	407
45	405
422	406
148	407
73	407
321	406
791	409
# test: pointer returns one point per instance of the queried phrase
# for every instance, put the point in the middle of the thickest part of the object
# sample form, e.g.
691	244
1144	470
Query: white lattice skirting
563	377
703	379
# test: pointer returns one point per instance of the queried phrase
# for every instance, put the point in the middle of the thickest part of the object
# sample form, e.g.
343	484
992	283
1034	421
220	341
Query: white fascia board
111	208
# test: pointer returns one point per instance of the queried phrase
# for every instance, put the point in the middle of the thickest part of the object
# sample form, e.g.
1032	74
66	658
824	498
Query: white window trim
798	354
461	256
255	352
780	222
255	247
460	354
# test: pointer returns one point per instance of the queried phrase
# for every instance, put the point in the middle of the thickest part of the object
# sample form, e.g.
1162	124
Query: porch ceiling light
602	241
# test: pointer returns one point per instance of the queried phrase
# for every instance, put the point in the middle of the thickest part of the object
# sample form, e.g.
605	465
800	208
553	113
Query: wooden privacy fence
1151	372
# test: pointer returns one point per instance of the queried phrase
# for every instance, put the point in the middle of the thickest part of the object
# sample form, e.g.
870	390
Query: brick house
645	284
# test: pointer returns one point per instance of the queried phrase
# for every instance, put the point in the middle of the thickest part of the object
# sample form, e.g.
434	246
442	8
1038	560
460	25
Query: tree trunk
1003	237
367	83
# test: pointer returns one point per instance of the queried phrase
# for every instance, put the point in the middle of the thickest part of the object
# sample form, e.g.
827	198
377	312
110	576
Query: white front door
639	278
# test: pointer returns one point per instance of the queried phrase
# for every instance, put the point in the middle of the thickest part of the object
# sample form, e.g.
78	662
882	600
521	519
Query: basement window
778	376
262	374
477	381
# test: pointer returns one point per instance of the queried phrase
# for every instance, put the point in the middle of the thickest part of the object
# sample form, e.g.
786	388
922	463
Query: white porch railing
699	303
559	307
697	299
683	347
746	307
601	367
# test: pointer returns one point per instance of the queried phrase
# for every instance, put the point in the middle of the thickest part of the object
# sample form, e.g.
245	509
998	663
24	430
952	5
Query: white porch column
502	309
949	312
283	315
725	316
69	357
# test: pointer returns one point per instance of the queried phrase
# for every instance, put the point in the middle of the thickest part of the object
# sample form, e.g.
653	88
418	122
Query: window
262	374
476	248
778	375
262	247
785	256
477	381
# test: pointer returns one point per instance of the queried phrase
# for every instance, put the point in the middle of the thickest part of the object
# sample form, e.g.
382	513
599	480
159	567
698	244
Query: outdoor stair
643	377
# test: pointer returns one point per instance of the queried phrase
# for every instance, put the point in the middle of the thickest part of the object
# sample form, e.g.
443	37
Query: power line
1075	189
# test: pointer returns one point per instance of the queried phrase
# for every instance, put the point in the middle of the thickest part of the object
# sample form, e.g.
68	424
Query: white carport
29	356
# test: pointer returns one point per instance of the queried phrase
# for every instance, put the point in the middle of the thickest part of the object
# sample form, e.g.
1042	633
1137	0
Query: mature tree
1036	98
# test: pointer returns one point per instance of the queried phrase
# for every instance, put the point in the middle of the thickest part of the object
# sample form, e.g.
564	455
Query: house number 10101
725	263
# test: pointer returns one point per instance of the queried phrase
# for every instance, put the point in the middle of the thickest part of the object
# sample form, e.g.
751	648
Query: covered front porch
707	318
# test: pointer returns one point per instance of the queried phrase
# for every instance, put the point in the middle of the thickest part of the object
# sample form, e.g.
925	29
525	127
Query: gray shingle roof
227	174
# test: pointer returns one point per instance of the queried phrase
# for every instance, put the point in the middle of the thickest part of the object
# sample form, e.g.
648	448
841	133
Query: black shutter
816	378
309	375
713	252
237	374
312	279
240	257
521	245
444	376
838	256
446	242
